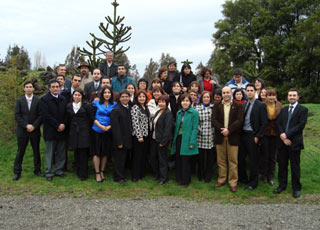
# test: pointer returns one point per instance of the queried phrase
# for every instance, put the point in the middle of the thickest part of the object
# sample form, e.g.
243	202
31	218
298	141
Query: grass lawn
71	186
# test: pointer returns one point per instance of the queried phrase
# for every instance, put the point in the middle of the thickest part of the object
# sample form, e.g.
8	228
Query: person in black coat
171	76
175	98
28	118
291	122
78	120
186	77
121	126
93	86
53	112
162	129
108	68
254	125
75	84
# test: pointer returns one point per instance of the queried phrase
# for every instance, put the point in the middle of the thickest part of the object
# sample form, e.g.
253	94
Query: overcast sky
182	28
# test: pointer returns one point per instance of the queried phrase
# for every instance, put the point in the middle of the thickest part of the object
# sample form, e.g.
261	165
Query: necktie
29	104
247	109
289	117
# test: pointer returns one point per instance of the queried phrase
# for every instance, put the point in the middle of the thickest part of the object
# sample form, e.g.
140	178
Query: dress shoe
233	188
16	177
218	184
122	181
278	190
296	194
50	178
162	182
38	174
249	188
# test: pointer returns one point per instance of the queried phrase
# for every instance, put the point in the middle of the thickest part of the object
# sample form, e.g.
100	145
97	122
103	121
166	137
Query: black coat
170	79
164	127
67	94
53	112
121	126
258	118
185	80
89	89
106	71
174	105
297	123
24	117
79	126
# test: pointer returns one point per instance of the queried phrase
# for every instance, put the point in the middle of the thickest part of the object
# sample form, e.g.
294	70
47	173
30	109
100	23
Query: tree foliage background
19	56
277	40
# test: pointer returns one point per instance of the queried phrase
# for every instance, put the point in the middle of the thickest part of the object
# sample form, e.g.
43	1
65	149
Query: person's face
207	74
96	75
121	70
263	94
194	87
62	70
154	84
84	70
237	78
217	98
76	81
130	88
271	98
185	103
176	88
142	99
156	95
293	97
250	92
107	95
109	57
105	82
61	81
54	88
142	85
124	99
193	96
258	85
238	96
172	67
206	98
226	94
77	97
162	104
186	71
164	75
28	89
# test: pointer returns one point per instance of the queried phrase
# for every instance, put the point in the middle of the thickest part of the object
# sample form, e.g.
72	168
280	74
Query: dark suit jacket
297	123
106	71
24	117
258	118
164	127
234	126
67	94
89	89
53	111
121	126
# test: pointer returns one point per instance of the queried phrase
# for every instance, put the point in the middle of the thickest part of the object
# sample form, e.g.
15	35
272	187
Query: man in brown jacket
227	119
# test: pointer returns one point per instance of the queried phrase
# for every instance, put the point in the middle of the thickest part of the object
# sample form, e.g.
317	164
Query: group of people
178	122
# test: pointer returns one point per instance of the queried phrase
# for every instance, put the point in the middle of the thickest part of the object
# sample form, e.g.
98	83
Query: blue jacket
233	85
102	114
118	85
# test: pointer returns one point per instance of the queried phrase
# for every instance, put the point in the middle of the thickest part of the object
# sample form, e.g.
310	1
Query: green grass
71	186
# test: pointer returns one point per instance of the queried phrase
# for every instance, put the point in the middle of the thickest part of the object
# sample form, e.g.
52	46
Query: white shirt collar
56	96
28	98
294	106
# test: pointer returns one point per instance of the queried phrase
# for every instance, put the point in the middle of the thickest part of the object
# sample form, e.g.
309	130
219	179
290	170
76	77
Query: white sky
182	28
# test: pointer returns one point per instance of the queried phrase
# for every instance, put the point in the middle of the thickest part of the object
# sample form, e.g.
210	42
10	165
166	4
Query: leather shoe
38	174
218	184
233	188
249	188
16	177
50	178
278	190
296	194
122	181
162	182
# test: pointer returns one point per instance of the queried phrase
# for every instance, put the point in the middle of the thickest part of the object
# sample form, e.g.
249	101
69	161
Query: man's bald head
226	94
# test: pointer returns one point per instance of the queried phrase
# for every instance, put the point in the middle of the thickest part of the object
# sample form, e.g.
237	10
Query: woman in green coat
185	139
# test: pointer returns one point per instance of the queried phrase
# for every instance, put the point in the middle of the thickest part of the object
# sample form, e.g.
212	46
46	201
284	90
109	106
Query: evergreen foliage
20	56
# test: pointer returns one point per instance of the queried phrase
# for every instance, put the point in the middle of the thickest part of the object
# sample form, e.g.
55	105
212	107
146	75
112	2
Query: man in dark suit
53	111
75	84
122	135
93	86
61	70
108	68
28	118
254	124
291	122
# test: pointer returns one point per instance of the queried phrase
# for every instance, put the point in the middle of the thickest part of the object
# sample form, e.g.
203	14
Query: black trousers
81	162
248	147
285	154
183	165
206	159
139	154
158	160
120	156
268	156
22	145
